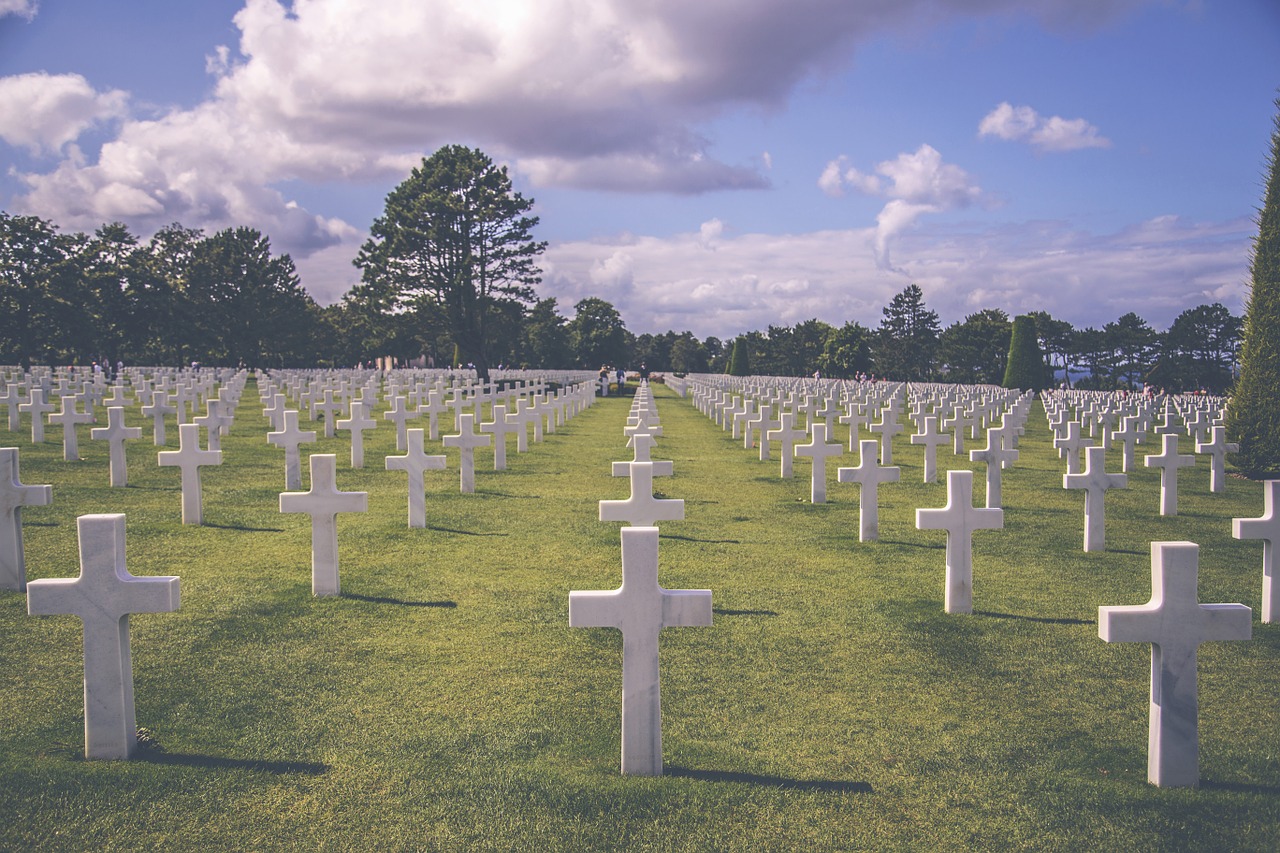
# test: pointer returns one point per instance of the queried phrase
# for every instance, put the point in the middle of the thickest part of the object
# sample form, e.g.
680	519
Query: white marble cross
868	475
960	518
642	443
14	495
500	427
1217	447
1175	623
357	424
786	435
10	397
156	410
855	417
289	437
1266	528
1095	481
640	608
415	462
642	509
887	427
433	408
1169	460
103	596
997	455
68	417
38	408
467	440
400	415
1070	445
931	438
188	458
115	433
323	502
819	450
328	409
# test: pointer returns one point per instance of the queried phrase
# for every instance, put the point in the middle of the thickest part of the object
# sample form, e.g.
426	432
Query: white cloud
754	280
915	184
19	8
43	112
1023	124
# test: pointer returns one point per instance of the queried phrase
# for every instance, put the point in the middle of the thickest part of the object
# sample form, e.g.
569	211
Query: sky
715	166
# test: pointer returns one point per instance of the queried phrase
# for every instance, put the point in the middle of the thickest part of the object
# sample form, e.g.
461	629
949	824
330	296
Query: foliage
1025	369
455	234
1198	351
597	335
846	353
740	359
907	338
1254	413
1056	339
975	352
544	338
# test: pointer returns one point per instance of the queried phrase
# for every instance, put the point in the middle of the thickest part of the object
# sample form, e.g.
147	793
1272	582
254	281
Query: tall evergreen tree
1254	413
907	339
456	234
1025	369
739	359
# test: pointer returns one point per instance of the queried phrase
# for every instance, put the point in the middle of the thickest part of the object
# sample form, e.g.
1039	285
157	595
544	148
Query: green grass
443	703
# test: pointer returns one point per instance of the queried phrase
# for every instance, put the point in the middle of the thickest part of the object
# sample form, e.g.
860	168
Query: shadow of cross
103	596
1175	623
640	608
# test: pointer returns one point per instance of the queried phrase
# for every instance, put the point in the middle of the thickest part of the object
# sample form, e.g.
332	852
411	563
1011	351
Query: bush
1025	369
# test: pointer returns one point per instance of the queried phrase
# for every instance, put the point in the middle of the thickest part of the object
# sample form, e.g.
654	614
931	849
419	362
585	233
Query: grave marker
1175	623
1266	528
868	475
103	596
640	608
960	518
415	462
1095	481
188	458
14	495
323	502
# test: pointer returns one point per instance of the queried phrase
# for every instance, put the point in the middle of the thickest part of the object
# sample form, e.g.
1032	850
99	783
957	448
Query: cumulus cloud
1023	124
43	112
915	183
19	8
594	94
755	280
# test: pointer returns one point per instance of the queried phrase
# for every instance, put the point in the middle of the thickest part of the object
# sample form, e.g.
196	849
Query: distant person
644	372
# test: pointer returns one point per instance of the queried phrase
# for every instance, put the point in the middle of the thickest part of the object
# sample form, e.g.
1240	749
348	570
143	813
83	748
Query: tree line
448	277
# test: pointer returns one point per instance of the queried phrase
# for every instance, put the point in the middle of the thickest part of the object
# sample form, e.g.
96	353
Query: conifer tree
1026	365
1254	412
738	360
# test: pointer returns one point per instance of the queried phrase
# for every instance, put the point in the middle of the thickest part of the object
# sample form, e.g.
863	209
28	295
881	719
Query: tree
544	339
249	306
1198	350
456	234
907	339
846	351
1253	417
1132	342
739	360
975	352
1056	339
40	293
597	335
689	355
1025	369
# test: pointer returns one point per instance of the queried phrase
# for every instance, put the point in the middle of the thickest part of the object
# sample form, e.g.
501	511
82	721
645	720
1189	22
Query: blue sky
715	166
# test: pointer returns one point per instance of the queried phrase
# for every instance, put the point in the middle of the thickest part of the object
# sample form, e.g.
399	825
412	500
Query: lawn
443	703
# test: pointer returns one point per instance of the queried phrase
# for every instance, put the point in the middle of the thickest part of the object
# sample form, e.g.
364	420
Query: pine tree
1254	412
1026	365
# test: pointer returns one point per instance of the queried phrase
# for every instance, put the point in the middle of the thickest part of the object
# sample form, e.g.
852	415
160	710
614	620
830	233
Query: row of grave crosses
105	594
641	607
1173	621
